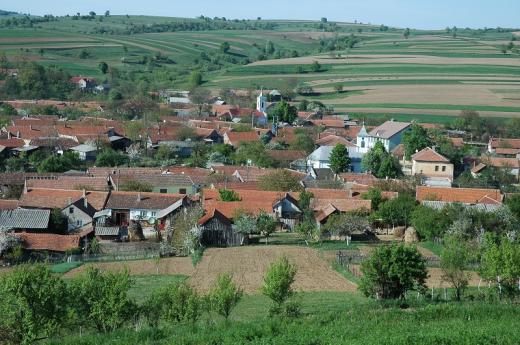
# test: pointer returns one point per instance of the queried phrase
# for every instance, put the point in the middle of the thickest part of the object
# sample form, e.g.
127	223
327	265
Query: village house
84	83
151	210
390	134
78	206
432	167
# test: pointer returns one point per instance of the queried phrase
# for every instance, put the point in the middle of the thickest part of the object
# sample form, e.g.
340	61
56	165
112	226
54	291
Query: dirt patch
45	39
249	264
167	266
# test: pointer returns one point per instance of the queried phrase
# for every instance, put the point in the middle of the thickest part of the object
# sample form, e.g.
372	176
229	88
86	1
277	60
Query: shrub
33	304
101	299
391	271
225	295
277	283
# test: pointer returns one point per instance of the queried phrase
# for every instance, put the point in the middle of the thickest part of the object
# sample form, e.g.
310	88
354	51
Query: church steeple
261	102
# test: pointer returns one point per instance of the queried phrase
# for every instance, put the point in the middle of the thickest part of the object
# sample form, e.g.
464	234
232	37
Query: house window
163	190
142	213
71	210
362	143
154	213
182	191
443	168
436	168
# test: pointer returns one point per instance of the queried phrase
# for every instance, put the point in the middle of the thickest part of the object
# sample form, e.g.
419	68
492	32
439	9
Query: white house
320	158
390	134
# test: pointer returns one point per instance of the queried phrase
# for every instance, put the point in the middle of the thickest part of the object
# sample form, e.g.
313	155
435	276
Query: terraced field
431	76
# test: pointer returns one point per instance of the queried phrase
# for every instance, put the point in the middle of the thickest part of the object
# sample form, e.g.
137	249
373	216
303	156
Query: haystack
410	235
135	231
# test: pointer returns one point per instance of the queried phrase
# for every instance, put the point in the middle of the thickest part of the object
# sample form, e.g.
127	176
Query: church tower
261	102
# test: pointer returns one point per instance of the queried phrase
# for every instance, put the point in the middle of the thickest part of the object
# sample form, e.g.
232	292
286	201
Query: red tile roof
506	151
12	143
333	140
506	143
60	198
457	142
8	204
235	138
462	195
500	162
33	132
213	213
52	242
140	200
359	178
429	155
70	183
342	205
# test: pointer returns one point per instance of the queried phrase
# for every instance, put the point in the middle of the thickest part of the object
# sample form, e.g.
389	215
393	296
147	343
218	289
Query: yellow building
432	166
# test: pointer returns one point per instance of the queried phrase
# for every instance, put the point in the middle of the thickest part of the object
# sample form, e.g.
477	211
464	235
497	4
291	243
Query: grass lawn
144	286
64	267
434	247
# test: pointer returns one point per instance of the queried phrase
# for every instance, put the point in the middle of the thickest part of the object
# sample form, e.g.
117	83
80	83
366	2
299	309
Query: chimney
434	148
139	196
69	200
30	127
18	134
25	186
350	193
85	202
8	135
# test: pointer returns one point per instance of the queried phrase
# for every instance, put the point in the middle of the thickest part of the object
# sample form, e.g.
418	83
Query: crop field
429	77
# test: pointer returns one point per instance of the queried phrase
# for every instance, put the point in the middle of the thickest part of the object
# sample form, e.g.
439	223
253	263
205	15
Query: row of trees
37	304
394	270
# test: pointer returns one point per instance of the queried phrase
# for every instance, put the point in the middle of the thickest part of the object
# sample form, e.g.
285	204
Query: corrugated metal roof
439	205
107	230
24	219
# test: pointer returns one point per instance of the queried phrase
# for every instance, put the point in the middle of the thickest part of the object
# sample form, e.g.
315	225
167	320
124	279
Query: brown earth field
452	94
44	39
380	59
249	264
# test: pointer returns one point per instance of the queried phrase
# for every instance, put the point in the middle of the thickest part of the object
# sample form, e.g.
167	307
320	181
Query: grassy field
333	319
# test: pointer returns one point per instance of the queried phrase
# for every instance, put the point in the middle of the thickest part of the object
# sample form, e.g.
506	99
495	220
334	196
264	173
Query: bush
100	299
180	303
391	271
225	295
33	304
277	284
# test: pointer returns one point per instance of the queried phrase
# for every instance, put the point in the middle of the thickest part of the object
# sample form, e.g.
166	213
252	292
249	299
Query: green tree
302	142
375	195
284	112
513	202
430	223
101	299
224	47
180	303
456	258
280	180
391	271
225	295
266	225
406	33
339	159
397	211
308	230
316	67
415	140
103	67
278	283
200	97
58	221
390	167
501	263
195	79
69	160
111	158
345	224
33	306
228	195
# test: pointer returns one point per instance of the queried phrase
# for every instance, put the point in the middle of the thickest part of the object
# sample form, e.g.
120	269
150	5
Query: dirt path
249	264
